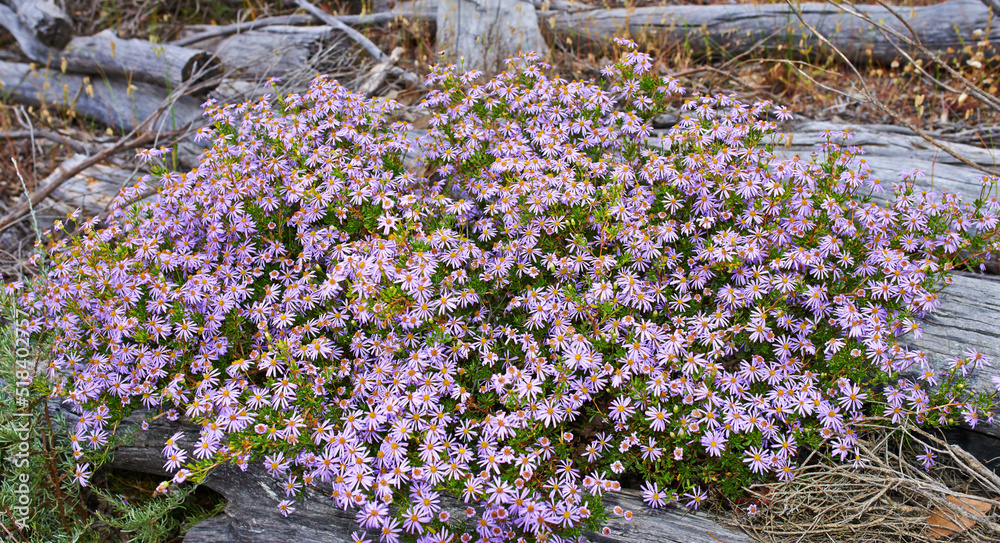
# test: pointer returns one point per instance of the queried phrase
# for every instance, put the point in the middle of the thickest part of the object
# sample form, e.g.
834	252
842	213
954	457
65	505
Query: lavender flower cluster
562	300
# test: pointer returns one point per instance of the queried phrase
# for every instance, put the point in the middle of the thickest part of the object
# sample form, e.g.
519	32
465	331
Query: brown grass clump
891	498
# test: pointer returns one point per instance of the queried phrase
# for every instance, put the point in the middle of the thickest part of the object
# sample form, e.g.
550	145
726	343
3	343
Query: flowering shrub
562	301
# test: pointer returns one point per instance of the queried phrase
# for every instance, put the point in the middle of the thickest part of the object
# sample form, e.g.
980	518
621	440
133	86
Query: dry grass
893	498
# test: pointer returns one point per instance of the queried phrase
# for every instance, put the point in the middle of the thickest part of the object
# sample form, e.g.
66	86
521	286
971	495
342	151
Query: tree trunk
486	32
729	30
273	51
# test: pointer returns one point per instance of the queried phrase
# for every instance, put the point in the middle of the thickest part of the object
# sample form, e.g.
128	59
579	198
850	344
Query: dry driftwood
168	65
44	20
485	32
735	29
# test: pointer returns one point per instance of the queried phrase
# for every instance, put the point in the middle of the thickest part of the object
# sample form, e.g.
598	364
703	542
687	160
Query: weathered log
425	11
887	151
485	32
46	21
969	318
26	39
273	51
106	54
890	149
734	29
113	102
93	189
168	65
251	515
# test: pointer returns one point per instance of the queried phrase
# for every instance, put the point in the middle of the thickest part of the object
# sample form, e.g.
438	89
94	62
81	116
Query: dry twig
361	40
870	96
892	498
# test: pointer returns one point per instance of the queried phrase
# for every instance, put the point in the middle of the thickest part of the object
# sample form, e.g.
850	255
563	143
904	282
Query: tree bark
730	30
485	32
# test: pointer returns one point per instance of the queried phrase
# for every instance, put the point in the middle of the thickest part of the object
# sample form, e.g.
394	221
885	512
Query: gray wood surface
106	54
110	101
732	29
969	318
273	51
46	21
889	149
167	65
93	189
485	32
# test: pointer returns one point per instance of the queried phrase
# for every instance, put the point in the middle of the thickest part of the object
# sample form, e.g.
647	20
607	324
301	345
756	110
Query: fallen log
113	101
730	30
274	51
30	44
967	319
106	54
93	189
406	10
168	65
251	514
890	149
44	20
